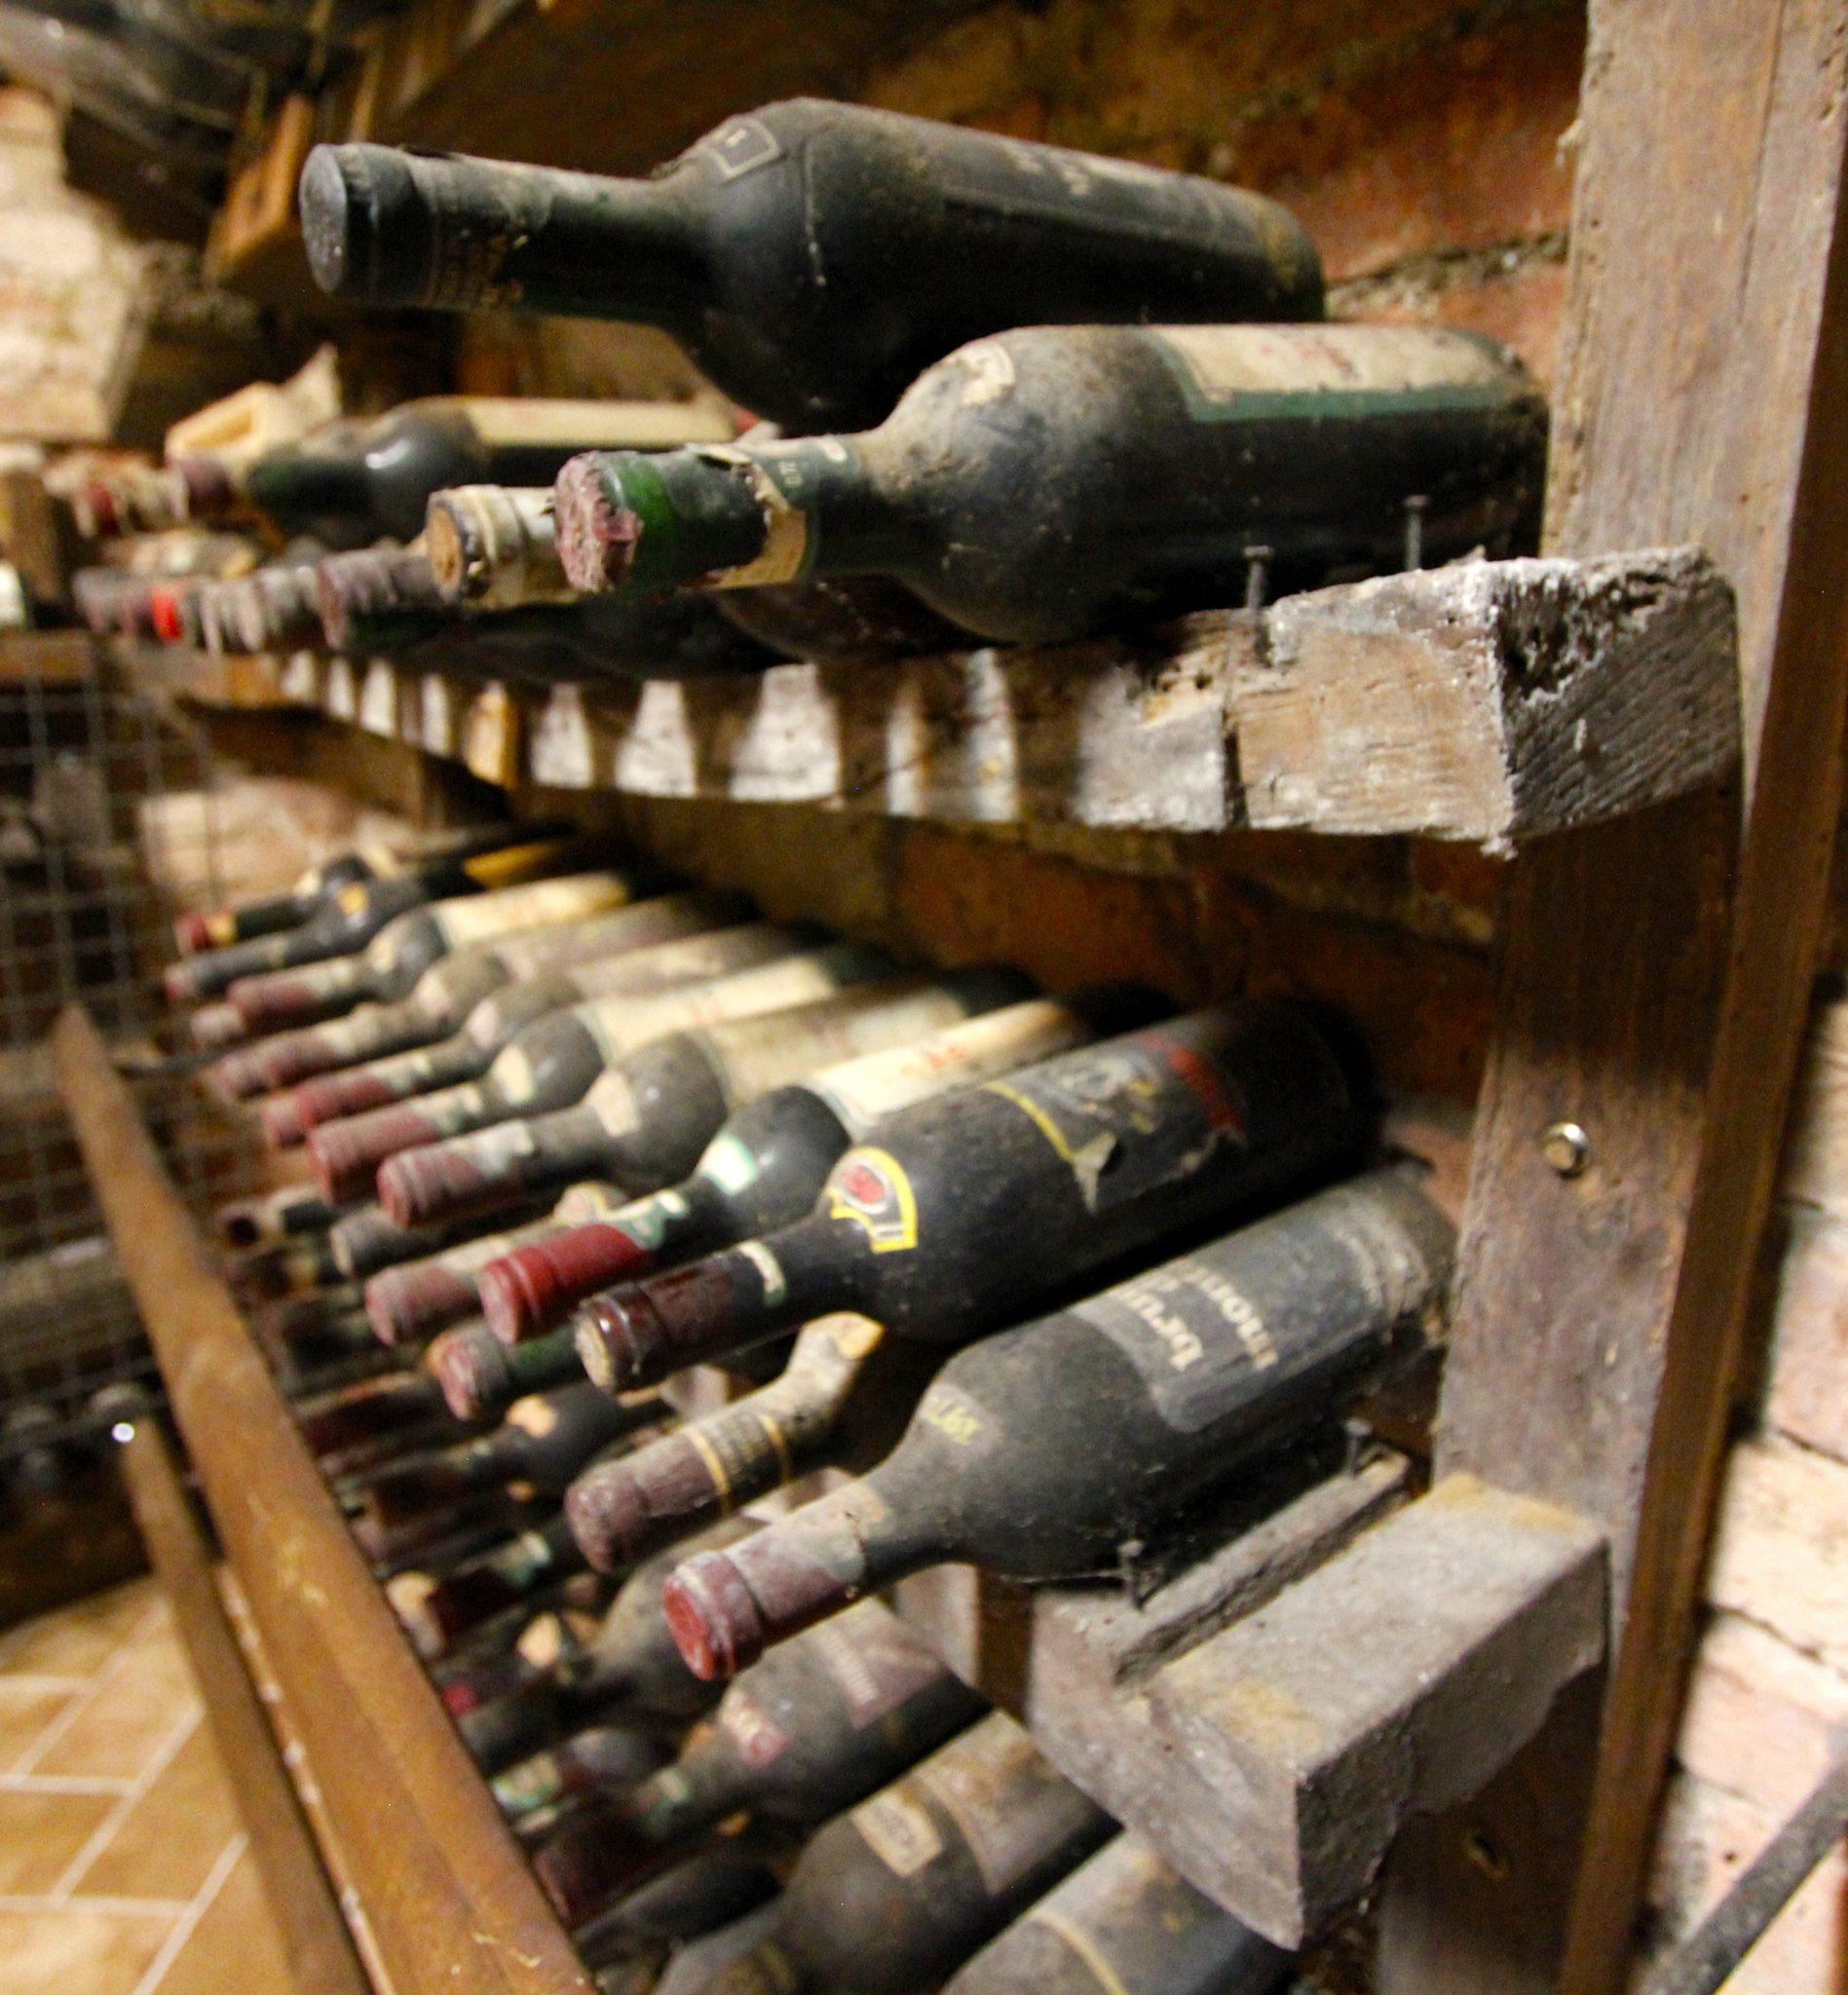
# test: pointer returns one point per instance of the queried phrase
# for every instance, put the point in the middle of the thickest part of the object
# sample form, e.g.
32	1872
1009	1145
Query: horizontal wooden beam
1493	702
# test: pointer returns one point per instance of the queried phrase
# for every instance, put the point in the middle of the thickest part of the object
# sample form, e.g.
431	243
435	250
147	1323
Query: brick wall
1770	1685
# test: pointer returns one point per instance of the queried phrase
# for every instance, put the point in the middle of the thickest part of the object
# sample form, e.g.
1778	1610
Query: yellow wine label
869	1190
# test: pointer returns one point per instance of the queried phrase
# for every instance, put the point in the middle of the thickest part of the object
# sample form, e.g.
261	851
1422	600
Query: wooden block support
1489	702
1395	1680
1272	1718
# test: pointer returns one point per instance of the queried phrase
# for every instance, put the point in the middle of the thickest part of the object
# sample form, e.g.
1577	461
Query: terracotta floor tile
168	1842
128	1717
78	1639
26	1708
234	1949
80	1951
40	1834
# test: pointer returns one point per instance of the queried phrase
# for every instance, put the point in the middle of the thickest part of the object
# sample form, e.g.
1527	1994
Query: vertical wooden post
1601	1317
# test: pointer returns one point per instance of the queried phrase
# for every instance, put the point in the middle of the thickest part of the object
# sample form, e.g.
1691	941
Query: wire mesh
107	828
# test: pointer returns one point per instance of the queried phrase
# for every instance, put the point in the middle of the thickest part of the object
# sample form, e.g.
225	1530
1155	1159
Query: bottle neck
726	1607
726	516
725	1303
707	1782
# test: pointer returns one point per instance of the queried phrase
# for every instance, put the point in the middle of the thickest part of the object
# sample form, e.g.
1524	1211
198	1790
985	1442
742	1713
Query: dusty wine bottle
812	257
354	914
546	1439
648	1116
274	1218
840	1402
368	1240
407	1302
346	1150
274	609
1176	1378
1041	484
629	1671
219	929
1095	1153
494	546
768	1164
599	1760
391	964
441	1613
552	1062
443	995
396	1403
890	1898
690	1898
1124	1923
356	481
793	1745
720	925
480	1375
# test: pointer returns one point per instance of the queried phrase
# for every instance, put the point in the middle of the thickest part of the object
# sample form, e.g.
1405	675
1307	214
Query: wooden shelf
1489	702
437	1889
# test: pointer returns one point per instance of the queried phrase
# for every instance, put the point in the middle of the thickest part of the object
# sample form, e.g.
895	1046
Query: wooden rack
1656	952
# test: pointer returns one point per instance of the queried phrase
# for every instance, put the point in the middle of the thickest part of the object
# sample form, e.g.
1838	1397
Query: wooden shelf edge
316	1943
446	1895
1487	702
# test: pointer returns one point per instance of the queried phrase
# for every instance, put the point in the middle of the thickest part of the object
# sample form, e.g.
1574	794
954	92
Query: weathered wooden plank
449	1900
1271	1718
316	1943
1490	702
1704	398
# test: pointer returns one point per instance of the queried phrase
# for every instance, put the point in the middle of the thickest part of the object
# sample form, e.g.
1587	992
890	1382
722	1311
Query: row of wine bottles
1007	394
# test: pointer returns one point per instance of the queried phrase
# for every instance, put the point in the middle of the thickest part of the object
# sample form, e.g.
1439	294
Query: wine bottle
695	1967
811	256
495	547
220	927
353	482
1176	1378
890	1897
407	1304
598	1760
438	1006
840	1402
1124	1923
274	1218
1038	485
480	1375
537	1451
793	1745
439	1613
441	1537
366	1240
630	1670
395	1402
551	1061
766	1167
1088	1156
441	998
692	1897
496	1021
648	1116
492	546
274	609
354	914
389	966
